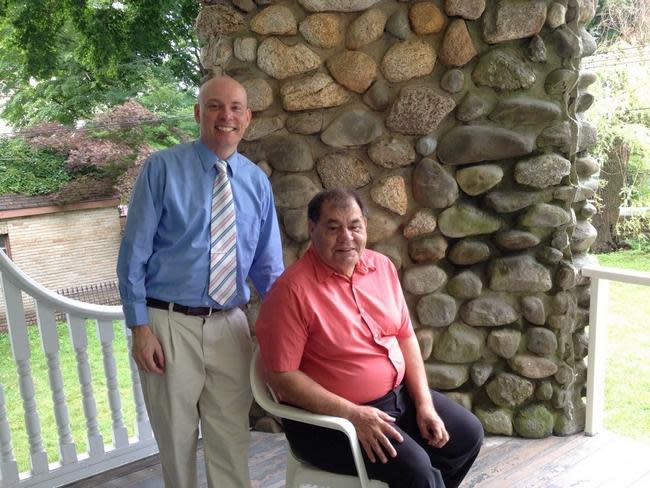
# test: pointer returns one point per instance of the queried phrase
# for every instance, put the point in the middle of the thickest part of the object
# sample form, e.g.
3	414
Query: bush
29	170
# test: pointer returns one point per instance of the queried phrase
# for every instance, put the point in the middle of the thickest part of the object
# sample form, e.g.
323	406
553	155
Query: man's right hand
147	351
374	430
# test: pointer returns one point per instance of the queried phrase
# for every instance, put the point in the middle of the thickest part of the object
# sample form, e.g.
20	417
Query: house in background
68	248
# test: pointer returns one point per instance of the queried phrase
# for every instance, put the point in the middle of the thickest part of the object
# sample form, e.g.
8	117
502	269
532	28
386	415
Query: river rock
545	215
324	30
541	341
488	311
245	49
305	122
506	20
542	171
342	169
390	193
468	251
512	201
274	20
446	376
293	191
503	69
392	152
409	59
533	310
471	143
534	422
479	179
422	223
504	342
433	186
354	127
497	421
457	45
509	390
336	5
427	248
353	69
464	220
312	92
295	224
366	28
423	279
464	285
533	367
518	274
436	310
259	94
523	110
288	153
280	61
418	110
426	18
460	344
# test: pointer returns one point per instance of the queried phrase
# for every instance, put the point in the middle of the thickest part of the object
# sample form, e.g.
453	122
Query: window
4	244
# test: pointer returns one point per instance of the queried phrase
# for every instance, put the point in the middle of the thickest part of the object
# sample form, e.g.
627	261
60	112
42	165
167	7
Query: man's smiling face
339	236
223	114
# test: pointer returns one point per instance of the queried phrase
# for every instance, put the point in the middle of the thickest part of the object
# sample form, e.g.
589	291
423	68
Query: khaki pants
205	380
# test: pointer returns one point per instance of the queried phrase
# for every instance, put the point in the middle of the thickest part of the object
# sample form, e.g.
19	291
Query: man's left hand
431	426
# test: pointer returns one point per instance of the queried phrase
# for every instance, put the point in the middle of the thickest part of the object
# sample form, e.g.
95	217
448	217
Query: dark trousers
417	464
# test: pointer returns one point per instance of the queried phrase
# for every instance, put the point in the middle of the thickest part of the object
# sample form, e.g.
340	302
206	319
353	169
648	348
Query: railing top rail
10	271
632	277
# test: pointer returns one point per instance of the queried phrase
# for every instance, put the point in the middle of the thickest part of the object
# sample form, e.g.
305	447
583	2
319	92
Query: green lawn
68	365
627	377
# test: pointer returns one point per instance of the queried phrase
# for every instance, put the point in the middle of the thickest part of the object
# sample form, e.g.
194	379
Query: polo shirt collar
208	158
323	272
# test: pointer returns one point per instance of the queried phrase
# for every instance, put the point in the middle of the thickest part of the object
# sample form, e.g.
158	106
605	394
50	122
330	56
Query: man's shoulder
250	168
172	155
298	277
376	259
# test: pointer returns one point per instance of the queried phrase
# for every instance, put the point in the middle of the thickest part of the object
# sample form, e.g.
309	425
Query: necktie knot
222	166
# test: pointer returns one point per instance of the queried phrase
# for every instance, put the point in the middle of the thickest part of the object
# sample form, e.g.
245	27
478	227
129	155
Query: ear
311	226
197	113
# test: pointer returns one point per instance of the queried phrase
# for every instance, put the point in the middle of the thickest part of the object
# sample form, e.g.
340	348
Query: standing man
201	221
336	338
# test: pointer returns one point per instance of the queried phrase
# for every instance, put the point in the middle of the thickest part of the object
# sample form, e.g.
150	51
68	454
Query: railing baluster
106	336
50	343
8	466
20	349
142	426
596	359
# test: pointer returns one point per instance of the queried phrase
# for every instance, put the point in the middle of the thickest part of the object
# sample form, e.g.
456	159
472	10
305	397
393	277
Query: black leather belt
195	311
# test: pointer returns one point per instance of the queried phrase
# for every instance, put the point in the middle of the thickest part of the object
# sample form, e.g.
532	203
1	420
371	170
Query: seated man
336	338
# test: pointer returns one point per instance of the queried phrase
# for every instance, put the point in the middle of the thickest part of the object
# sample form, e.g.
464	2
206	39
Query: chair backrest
264	397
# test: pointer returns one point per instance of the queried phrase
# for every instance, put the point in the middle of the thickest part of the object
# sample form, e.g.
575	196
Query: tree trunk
609	197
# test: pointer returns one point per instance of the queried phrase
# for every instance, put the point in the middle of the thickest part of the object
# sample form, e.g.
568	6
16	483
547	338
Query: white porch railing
598	323
101	456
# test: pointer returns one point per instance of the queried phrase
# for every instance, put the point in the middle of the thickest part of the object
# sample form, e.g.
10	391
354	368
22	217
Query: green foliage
61	60
24	169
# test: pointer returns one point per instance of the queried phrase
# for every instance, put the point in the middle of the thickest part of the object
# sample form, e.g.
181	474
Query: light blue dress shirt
165	250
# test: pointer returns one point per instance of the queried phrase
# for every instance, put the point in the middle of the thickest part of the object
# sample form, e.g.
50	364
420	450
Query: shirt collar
208	158
323	272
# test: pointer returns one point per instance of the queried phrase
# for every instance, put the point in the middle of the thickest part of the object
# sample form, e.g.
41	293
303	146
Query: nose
345	234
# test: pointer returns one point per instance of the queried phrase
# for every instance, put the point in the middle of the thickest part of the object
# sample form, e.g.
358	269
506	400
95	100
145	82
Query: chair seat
304	475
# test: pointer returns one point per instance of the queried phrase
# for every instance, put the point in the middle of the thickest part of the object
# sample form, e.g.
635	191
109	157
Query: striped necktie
223	239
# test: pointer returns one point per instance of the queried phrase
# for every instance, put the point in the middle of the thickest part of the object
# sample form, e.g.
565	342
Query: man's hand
147	351
374	430
431	426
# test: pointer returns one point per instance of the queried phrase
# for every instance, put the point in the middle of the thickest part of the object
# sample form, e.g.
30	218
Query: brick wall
65	249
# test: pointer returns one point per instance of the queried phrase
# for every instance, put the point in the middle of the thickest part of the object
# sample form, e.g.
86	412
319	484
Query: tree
61	60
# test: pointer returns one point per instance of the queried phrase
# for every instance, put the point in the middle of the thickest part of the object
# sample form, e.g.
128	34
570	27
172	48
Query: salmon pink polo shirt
341	332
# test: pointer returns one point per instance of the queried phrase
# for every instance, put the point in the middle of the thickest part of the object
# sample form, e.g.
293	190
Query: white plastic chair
300	474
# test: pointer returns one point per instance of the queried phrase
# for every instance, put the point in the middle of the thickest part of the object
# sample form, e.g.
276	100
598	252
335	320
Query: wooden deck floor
606	460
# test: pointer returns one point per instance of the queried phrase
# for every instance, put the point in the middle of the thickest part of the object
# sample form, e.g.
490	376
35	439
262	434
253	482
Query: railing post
79	340
106	336
596	359
8	466
142	425
50	344
20	349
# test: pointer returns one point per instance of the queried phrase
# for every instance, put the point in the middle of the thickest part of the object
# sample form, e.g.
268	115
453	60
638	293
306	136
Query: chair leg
292	467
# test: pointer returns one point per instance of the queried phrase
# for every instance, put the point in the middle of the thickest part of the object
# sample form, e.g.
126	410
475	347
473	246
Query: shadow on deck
578	461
